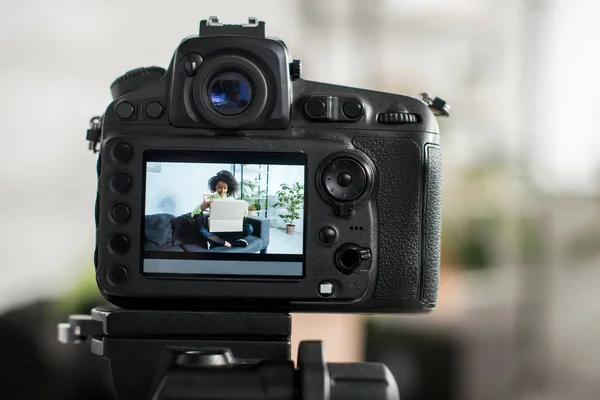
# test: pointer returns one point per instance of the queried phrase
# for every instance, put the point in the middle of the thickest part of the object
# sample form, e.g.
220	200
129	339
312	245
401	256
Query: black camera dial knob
344	179
349	257
295	69
135	79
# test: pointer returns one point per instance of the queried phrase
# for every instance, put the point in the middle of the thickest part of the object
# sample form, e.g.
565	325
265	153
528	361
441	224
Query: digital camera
228	182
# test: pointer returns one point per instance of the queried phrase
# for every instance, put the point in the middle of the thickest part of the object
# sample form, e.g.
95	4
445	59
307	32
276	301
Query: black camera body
365	166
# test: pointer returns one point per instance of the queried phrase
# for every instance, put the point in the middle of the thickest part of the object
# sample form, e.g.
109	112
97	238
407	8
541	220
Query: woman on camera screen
223	186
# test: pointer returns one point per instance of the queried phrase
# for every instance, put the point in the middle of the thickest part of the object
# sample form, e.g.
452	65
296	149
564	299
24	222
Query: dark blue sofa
166	232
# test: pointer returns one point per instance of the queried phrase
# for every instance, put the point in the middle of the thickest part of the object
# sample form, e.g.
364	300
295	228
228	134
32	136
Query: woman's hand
205	205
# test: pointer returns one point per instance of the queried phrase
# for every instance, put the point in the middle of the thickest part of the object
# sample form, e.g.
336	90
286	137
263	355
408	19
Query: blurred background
518	313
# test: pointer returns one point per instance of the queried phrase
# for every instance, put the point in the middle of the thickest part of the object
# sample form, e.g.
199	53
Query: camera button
122	152
125	110
154	109
344	179
326	288
315	107
119	243
327	235
121	182
117	275
352	108
120	213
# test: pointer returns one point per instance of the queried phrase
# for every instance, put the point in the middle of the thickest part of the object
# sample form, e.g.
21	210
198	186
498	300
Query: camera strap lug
437	105
94	134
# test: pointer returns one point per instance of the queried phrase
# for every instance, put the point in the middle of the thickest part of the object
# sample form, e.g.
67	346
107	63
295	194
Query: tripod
185	355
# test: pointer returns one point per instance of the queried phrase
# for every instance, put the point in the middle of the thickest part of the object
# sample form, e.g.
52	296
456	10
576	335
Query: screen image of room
274	195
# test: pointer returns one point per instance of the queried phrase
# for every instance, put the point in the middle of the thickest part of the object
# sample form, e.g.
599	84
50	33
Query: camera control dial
134	79
397	117
344	179
295	69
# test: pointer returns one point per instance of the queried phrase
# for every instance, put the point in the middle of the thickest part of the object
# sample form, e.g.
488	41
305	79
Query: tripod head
181	355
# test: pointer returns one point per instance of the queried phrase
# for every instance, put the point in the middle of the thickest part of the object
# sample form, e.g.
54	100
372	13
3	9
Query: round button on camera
344	179
352	108
119	243
117	275
125	110
120	213
154	109
121	182
122	152
315	107
327	235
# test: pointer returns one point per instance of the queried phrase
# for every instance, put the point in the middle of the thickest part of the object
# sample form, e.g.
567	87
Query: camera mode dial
134	79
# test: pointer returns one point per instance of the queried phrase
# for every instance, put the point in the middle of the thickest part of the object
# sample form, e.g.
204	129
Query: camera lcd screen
224	213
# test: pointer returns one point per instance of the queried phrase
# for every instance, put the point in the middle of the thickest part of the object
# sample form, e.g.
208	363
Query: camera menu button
119	243
122	152
117	275
120	213
121	182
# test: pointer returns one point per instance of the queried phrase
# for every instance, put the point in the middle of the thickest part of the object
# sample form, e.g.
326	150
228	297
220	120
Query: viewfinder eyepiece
230	93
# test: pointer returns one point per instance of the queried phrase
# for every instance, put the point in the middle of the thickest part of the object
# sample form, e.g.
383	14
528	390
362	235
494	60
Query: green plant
253	194
291	197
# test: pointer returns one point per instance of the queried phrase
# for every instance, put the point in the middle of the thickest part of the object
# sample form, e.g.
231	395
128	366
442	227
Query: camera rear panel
385	228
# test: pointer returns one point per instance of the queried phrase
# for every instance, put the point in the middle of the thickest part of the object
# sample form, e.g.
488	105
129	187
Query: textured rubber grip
432	224
398	197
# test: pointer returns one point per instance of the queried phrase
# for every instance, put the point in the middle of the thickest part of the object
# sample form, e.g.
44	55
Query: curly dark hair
225	177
